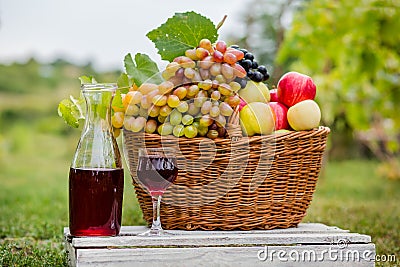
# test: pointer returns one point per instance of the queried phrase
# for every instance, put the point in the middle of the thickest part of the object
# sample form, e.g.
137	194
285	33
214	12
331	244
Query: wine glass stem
156	225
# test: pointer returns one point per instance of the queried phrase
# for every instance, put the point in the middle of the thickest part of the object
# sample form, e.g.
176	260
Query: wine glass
157	170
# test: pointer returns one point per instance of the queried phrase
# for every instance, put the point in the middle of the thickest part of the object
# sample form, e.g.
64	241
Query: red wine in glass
156	170
156	173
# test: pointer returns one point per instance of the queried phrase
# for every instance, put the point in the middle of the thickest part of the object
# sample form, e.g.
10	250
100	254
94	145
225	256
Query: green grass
34	203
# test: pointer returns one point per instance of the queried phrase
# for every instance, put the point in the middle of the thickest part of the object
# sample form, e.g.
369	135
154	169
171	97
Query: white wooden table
309	244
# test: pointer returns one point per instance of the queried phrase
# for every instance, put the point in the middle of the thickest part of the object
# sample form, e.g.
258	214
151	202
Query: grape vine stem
221	22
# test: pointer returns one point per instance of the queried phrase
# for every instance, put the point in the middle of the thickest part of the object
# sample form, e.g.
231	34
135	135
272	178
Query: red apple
273	95
280	115
294	87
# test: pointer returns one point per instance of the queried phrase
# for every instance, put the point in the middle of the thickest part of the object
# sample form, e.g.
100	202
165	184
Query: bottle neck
97	147
98	110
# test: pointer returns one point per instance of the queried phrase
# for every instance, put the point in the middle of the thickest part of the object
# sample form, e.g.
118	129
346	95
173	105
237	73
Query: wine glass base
155	232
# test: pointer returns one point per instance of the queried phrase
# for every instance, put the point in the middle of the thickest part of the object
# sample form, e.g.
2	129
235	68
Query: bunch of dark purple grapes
255	72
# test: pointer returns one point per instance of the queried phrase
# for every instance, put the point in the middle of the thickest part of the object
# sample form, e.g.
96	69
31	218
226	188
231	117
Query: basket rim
291	134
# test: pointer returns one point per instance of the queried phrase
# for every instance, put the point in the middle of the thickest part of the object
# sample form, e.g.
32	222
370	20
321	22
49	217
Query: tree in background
352	51
265	25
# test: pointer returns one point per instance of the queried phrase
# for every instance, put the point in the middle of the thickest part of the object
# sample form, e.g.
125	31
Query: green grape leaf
181	32
87	79
117	101
142	69
124	83
71	110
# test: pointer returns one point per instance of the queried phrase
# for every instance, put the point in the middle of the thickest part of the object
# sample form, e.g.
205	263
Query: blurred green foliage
352	51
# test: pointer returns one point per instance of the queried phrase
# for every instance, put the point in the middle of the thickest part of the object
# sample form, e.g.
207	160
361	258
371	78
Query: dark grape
235	46
249	56
246	64
241	81
258	76
250	74
244	51
213	127
221	132
262	69
254	64
266	76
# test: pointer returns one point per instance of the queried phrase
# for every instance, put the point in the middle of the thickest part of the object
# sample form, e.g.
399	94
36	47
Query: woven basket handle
233	127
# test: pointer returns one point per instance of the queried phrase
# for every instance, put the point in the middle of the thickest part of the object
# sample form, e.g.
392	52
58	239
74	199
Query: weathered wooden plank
224	248
313	255
301	228
222	240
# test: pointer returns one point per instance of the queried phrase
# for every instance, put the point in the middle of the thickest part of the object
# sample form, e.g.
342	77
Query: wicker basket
259	182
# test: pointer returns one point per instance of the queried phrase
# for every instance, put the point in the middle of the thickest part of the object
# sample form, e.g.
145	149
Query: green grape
165	110
128	121
191	53
205	85
190	131
205	121
220	79
227	71
159	100
189	73
143	112
205	74
179	130
212	134
206	107
214	111
215	69
235	86
132	110
173	101
215	95
202	131
225	109
165	129
192	91
145	103
196	123
154	111
220	121
187	119
117	119
165	87
197	77
201	97
151	126
180	92
162	119
175	117
135	125
167	75
225	89
172	68
183	107
193	110
132	98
